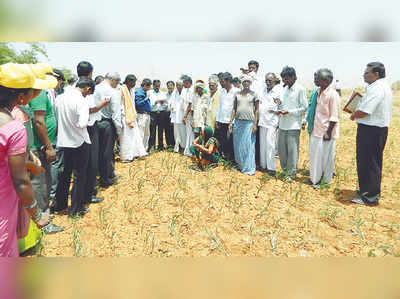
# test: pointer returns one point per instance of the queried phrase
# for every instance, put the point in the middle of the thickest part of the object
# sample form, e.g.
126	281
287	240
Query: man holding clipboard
373	115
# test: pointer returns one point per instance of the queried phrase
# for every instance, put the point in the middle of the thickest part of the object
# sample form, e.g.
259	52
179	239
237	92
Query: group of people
49	131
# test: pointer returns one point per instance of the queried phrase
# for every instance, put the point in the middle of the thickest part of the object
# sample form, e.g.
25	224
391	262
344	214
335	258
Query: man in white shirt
224	113
169	133
373	116
110	126
159	116
268	123
177	113
187	96
73	115
292	106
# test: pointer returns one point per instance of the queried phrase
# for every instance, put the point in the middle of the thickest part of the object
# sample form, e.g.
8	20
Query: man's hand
277	101
327	136
50	154
284	112
277	112
217	125
352	117
254	129
104	103
131	125
184	120
118	138
230	127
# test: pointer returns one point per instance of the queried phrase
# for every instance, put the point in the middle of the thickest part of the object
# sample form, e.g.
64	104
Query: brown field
161	207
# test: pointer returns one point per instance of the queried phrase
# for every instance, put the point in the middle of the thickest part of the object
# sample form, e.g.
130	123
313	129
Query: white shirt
93	117
377	102
199	106
73	116
187	96
156	98
113	110
266	117
177	109
258	84
170	98
225	105
293	100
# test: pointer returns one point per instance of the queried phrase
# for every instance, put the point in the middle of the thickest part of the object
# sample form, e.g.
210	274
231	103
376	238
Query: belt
145	112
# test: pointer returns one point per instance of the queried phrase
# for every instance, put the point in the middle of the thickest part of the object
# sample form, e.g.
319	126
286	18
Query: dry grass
163	208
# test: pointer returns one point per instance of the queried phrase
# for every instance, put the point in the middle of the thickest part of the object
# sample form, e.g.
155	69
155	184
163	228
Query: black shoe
53	211
52	229
106	184
96	199
81	213
365	202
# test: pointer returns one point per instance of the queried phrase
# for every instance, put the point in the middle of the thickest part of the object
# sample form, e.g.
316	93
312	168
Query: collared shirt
113	110
93	117
170	98
327	110
225	105
295	102
142	102
73	116
258	83
177	109
156	97
187	96
199	106
266	117
377	102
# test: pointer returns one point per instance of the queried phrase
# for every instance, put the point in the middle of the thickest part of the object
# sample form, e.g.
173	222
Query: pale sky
168	60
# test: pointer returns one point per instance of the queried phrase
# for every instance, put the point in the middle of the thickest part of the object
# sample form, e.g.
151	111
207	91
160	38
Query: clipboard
352	102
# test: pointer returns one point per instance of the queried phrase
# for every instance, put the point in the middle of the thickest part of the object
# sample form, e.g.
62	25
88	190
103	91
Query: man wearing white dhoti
187	95
323	116
268	123
131	140
177	112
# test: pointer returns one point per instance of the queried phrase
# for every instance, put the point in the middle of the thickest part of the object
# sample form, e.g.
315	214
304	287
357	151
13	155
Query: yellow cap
15	75
42	79
12	75
41	69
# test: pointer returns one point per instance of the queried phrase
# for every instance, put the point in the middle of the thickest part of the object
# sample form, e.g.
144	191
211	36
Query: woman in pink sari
16	83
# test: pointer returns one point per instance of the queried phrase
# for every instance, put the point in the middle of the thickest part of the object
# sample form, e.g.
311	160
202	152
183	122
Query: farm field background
162	208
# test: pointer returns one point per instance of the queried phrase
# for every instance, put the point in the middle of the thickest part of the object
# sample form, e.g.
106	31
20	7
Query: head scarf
246	78
208	133
213	79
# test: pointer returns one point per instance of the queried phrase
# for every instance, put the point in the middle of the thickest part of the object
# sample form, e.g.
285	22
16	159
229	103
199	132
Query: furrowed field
161	207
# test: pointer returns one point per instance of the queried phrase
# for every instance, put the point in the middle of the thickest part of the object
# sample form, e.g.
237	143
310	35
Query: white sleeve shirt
266	117
225	105
293	100
73	117
377	102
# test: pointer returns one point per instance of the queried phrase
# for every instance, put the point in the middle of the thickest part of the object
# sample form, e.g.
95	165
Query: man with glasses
373	116
109	126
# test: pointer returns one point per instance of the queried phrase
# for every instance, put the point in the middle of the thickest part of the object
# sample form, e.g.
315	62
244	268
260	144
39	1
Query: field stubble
163	208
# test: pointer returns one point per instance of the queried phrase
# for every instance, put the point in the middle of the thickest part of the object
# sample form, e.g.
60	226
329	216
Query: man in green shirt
44	133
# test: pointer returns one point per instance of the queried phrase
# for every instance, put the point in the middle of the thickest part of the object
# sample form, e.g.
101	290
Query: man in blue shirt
143	109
